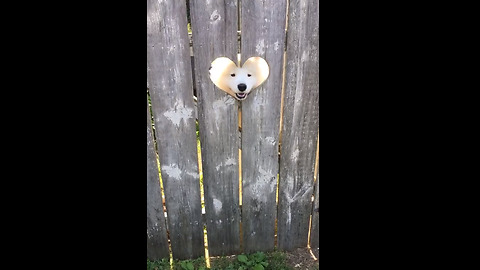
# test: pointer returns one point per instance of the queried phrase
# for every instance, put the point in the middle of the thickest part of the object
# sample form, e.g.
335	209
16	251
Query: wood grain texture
300	125
170	85
315	231
263	34
157	244
214	26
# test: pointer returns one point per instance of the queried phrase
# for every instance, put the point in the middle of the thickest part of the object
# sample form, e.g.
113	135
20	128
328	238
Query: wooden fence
243	170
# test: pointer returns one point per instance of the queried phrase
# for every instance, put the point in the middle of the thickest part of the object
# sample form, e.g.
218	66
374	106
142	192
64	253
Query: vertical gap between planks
316	158
199	148
240	189
281	120
283	80
309	231
202	196
314	191
162	190
240	154
152	122
239	31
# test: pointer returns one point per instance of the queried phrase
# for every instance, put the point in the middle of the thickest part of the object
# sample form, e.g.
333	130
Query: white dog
236	81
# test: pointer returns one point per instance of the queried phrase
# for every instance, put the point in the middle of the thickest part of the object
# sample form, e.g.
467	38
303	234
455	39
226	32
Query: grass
158	265
164	264
256	261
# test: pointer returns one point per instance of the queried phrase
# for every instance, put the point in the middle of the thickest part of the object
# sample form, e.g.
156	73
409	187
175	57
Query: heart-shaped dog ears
259	67
222	67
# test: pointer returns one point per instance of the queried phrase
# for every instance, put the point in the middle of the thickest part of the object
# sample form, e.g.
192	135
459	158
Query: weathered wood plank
315	231
300	125
263	34
157	244
170	82
214	27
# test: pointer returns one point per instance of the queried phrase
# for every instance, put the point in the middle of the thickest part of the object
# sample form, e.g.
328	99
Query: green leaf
264	264
259	256
190	266
241	268
242	258
258	267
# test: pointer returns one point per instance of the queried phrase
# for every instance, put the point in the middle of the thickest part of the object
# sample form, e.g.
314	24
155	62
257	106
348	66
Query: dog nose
242	87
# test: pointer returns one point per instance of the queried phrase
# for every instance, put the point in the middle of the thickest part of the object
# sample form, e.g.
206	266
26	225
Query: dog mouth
241	96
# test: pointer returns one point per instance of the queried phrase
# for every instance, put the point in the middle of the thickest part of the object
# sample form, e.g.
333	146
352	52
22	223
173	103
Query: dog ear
259	67
219	70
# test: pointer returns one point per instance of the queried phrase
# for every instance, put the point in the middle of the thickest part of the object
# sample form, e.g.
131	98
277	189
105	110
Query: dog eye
249	75
233	74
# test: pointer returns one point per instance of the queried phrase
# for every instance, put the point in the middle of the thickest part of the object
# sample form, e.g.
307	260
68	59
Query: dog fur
238	81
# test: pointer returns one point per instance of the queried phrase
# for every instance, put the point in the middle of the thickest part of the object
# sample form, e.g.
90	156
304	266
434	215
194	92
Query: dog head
236	81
